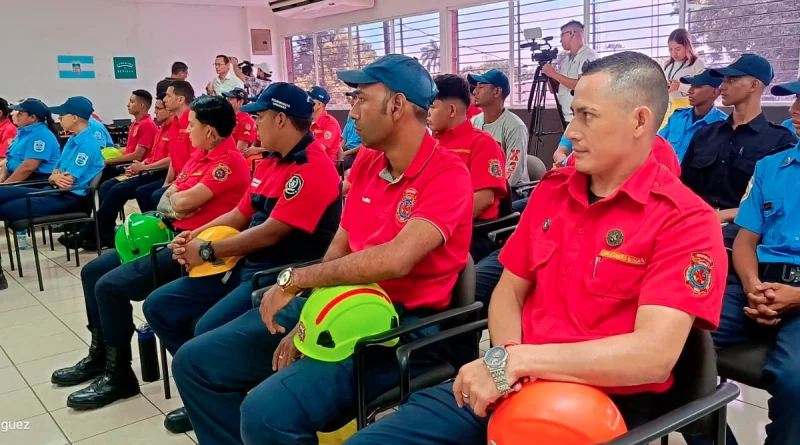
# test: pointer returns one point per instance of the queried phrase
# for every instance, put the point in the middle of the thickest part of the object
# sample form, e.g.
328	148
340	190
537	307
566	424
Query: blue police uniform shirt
100	133
680	128
82	159
771	209
720	161
34	142
568	144
351	138
788	124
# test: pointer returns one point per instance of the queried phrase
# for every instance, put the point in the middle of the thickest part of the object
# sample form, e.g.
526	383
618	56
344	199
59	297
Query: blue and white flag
76	67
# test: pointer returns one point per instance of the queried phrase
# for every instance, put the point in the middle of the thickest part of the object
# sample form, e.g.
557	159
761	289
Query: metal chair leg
665	440
68	232
165	372
36	259
16	248
97	235
8	245
78	256
52	244
722	426
44	238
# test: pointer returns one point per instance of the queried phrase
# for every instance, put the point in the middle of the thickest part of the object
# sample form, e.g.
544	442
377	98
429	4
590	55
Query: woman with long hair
683	62
8	131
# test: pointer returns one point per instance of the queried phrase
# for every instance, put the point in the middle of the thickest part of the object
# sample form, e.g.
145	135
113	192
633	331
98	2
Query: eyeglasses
220	64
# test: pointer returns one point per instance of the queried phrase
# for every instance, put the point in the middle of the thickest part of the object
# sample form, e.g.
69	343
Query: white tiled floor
42	331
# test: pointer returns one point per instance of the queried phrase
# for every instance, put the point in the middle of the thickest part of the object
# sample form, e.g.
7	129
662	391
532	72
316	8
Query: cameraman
571	66
254	83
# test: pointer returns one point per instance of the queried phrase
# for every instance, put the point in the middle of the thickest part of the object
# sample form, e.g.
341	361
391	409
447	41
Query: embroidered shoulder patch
495	169
407	201
328	135
221	172
748	189
38	146
81	159
697	273
293	187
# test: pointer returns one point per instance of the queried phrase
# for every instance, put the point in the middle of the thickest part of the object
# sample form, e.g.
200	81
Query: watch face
205	253
495	356
283	277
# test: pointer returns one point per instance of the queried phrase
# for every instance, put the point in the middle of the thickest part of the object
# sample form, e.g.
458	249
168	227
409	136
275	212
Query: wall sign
124	68
76	67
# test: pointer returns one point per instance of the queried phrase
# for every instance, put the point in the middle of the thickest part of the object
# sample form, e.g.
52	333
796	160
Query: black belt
779	272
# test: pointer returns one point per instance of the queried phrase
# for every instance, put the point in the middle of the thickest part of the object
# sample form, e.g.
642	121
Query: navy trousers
109	288
216	370
13	205
113	196
781	368
146	195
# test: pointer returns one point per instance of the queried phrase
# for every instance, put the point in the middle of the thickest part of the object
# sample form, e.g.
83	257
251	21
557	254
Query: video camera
246	67
541	53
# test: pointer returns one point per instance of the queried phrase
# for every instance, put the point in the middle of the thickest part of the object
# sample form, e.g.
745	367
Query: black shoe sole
101	403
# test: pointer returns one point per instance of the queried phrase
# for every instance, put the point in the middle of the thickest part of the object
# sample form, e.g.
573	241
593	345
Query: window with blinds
333	55
725	29
482	39
419	37
300	50
632	25
369	42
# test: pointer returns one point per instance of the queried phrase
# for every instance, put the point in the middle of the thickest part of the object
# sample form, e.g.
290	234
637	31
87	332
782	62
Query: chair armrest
499	237
153	171
56	191
523	187
496	224
404	352
25	183
680	417
255	281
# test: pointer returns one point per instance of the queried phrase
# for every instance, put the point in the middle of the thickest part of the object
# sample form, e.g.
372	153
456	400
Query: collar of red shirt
297	154
455	132
220	150
637	187
323	116
145	118
420	159
183	120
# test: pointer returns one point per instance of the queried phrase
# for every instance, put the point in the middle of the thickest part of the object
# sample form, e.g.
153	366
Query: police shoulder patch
38	146
81	159
247	127
495	169
221	172
748	189
135	132
406	204
697	274
293	187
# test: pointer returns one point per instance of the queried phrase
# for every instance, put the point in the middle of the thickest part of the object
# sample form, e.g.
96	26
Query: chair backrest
536	168
89	197
505	205
462	349
464	289
695	377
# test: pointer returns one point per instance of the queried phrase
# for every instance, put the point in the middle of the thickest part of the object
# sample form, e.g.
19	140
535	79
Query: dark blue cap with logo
493	77
400	73
285	98
34	107
748	65
237	93
786	89
76	106
320	94
703	79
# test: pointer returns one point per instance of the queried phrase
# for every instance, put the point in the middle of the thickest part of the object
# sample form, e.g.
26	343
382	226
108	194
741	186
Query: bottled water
22	240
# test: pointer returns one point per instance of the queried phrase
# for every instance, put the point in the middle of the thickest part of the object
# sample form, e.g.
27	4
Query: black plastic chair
87	212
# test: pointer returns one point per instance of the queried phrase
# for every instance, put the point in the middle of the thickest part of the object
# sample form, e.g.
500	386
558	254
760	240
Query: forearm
163	163
568	82
379	263
352	151
745	261
233	219
505	315
481	202
20	174
250	240
242	146
3	173
339	247
727	215
170	175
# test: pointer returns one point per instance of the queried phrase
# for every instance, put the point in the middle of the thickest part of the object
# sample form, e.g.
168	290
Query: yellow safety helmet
221	265
111	153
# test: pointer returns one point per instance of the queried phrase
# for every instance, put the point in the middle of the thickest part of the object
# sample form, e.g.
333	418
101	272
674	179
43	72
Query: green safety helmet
335	318
111	153
138	234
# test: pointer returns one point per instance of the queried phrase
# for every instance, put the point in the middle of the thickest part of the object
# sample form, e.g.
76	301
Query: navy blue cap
237	93
786	89
34	107
285	98
748	65
77	106
400	73
320	94
493	77
703	79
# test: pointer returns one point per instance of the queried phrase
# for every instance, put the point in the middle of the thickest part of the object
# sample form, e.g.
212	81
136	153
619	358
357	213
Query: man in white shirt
571	66
491	91
225	80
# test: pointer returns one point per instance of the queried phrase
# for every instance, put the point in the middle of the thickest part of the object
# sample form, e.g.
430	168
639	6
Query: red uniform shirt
436	188
663	152
224	171
180	146
328	132
483	157
473	111
161	142
142	132
653	242
245	128
8	131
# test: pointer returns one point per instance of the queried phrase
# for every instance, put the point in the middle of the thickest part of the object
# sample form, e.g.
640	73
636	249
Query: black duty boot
3	281
88	368
117	382
178	422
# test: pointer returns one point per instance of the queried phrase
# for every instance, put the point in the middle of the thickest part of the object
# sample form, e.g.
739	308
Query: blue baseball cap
285	98
748	65
493	77
34	107
399	73
786	89
703	79
320	94
237	93
77	106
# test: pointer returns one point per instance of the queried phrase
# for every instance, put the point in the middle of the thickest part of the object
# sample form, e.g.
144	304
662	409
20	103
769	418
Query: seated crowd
620	253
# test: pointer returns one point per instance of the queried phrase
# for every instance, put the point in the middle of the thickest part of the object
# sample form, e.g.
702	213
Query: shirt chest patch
406	205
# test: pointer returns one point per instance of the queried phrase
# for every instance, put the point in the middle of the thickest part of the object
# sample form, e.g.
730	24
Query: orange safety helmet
555	413
221	265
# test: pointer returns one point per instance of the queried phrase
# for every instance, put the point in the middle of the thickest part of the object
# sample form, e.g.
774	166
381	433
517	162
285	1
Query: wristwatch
285	281
207	252
495	360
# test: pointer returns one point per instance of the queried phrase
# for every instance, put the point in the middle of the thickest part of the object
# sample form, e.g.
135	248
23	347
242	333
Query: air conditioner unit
309	9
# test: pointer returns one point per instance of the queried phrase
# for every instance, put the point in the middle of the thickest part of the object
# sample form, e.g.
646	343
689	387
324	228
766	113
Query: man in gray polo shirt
571	66
491	91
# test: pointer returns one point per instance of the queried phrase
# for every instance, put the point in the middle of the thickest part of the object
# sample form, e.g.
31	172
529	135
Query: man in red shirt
245	132
211	184
140	135
647	263
405	226
326	128
478	150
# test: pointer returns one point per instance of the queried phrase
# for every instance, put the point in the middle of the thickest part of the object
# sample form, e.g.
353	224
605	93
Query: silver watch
495	360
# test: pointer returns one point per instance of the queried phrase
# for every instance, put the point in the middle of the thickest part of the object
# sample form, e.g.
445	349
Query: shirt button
797	238
655	184
723	161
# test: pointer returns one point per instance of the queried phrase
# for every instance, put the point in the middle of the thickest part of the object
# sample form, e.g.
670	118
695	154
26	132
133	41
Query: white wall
35	33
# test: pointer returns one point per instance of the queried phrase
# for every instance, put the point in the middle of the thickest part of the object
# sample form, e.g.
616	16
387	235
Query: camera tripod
536	101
